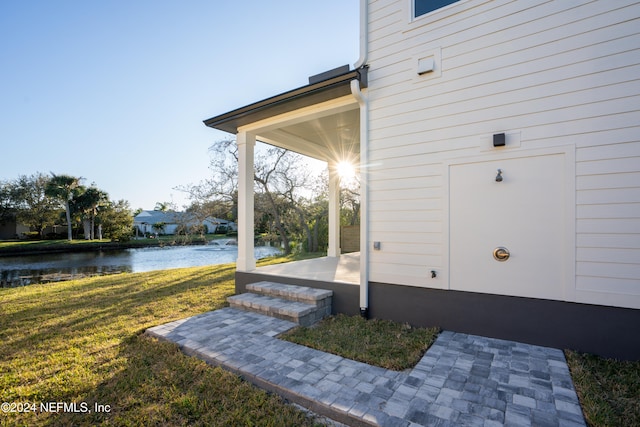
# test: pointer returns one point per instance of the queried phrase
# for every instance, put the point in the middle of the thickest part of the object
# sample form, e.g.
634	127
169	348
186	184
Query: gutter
287	101
318	89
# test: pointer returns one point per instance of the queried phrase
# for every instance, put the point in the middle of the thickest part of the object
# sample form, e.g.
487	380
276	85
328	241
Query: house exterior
499	152
145	221
12	229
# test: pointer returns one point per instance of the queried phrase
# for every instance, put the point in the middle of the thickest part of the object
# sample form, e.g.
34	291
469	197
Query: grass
609	390
377	342
81	341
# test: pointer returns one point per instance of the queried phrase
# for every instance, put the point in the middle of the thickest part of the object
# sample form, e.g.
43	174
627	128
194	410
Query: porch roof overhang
305	96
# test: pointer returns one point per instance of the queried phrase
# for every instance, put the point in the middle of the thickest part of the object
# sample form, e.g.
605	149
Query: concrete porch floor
345	269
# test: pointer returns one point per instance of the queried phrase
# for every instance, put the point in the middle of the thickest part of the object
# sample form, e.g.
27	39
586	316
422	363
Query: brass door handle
501	254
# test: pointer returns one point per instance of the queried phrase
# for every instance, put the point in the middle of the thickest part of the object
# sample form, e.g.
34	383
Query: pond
28	269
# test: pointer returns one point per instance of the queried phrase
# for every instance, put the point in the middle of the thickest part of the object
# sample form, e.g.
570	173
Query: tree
267	176
64	188
34	208
288	201
87	202
158	227
218	195
117	220
350	204
277	175
7	205
164	206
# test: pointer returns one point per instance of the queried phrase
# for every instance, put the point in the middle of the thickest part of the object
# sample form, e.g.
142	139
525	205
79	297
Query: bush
31	235
55	236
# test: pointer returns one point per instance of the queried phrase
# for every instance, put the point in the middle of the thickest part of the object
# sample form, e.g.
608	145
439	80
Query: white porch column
246	258
334	211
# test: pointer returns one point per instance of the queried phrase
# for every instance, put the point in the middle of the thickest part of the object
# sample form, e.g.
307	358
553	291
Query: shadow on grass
59	340
80	341
99	303
159	385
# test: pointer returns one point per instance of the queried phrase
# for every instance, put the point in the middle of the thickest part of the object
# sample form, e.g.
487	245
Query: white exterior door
524	213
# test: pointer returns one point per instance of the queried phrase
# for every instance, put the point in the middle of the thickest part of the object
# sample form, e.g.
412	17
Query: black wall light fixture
499	140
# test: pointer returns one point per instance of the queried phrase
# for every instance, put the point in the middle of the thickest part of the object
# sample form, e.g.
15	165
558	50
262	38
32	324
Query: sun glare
346	170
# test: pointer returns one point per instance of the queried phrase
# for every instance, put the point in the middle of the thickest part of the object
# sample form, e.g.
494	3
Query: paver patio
462	380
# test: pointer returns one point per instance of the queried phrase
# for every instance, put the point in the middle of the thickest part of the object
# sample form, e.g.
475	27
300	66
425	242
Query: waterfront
27	269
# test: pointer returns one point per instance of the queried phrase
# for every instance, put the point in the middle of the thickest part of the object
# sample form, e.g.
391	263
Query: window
420	7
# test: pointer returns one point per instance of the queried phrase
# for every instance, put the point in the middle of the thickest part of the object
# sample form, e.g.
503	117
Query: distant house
498	145
172	222
11	229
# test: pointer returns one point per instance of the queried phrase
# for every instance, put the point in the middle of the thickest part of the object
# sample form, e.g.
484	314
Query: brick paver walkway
462	380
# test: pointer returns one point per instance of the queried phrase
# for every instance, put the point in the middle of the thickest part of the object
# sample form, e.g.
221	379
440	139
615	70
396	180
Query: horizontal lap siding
557	73
608	217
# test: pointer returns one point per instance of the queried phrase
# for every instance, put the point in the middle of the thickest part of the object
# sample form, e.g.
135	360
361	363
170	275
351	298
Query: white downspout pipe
364	160
364	196
364	34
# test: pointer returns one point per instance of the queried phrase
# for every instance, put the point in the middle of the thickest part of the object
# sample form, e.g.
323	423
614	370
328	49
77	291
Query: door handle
501	254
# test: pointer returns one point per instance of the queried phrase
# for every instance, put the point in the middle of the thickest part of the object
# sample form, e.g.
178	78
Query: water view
28	269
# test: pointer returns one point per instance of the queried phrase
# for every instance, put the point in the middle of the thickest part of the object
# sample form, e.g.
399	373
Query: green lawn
609	390
81	341
377	342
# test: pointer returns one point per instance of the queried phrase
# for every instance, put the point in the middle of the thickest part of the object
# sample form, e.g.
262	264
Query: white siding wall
548	72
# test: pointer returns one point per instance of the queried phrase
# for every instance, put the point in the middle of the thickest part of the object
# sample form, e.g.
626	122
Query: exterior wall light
499	140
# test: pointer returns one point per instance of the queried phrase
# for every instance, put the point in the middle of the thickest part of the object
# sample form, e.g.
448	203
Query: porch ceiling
330	138
321	120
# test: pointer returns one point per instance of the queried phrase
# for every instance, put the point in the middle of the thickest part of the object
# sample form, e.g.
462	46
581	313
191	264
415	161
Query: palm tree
88	203
63	188
162	206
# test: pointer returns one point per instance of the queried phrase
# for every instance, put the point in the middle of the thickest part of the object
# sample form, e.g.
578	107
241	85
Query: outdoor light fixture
499	140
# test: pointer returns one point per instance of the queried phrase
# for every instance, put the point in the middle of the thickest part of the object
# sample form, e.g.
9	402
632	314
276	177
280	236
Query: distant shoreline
38	249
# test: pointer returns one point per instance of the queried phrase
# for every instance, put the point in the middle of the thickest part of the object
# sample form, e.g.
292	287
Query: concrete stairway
299	304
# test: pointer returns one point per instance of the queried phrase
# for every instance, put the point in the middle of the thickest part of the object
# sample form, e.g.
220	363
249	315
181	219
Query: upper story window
420	7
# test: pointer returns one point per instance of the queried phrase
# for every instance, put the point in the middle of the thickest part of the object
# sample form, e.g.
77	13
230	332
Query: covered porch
325	120
341	269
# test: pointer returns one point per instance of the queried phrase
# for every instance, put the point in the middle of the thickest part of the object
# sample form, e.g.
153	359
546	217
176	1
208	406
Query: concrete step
300	304
293	311
318	297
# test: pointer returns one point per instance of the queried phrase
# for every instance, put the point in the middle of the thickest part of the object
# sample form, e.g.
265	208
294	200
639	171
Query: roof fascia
288	101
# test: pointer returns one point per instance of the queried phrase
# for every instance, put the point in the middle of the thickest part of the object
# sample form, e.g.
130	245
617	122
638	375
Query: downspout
364	160
364	35
364	197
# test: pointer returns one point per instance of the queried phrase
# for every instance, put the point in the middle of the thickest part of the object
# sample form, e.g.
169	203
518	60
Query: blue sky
115	91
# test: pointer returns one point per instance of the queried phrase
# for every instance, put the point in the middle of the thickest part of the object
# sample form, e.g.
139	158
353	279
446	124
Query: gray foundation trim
606	331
